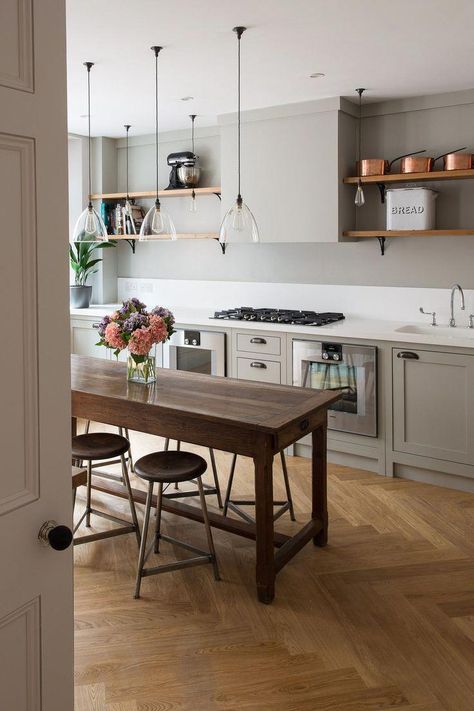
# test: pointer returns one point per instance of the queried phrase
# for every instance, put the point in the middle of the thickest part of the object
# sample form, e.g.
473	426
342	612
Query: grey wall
435	123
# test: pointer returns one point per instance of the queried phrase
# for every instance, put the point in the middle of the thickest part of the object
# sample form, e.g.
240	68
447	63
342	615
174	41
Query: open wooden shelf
182	192
157	238
413	177
406	233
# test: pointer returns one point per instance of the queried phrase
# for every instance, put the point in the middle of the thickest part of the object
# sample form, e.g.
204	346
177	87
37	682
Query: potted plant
83	261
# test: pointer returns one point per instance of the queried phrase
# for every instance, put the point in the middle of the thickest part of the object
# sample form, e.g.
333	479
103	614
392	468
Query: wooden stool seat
99	445
170	467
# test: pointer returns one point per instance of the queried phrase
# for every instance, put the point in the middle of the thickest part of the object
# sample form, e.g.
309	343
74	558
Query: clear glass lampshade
359	199
90	227
238	225
128	221
157	224
193	203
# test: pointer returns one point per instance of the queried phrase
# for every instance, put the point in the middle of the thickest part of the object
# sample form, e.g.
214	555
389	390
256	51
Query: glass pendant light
193	202
238	224
89	226
157	223
127	211
359	199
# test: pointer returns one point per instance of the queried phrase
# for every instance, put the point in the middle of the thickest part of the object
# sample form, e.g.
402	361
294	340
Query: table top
256	406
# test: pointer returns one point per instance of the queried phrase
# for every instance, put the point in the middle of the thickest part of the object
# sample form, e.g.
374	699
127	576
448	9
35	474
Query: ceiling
395	49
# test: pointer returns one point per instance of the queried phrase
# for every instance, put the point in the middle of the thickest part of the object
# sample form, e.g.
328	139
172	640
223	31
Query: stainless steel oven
196	351
349	369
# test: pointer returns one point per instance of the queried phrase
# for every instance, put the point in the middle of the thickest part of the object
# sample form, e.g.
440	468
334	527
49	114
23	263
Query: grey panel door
433	404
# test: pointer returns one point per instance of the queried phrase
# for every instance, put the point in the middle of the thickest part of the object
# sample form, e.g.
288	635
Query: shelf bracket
382	188
218	195
222	245
132	243
382	245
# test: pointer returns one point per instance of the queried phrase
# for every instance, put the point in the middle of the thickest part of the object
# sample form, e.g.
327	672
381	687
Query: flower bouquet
138	330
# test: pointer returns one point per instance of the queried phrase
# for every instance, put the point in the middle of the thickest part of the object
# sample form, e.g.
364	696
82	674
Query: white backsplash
384	303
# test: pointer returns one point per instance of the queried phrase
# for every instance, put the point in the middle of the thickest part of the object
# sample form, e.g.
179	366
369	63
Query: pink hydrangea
158	329
141	341
113	336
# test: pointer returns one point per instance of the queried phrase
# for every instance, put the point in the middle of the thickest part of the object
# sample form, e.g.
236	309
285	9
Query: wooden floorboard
382	618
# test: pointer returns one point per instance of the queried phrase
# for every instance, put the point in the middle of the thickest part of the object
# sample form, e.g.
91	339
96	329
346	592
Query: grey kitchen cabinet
84	336
292	170
433	404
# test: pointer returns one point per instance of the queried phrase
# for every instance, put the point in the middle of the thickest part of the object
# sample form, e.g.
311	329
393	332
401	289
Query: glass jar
142	368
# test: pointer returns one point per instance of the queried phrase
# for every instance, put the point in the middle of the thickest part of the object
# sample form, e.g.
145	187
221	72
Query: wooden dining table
253	419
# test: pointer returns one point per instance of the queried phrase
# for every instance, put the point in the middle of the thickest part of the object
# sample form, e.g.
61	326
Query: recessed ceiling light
187	98
317	75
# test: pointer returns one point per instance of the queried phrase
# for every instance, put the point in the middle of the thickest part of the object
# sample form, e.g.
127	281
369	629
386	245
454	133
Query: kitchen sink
443	331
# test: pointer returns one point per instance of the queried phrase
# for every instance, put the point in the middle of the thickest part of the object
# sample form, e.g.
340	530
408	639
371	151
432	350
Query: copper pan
412	164
458	161
377	166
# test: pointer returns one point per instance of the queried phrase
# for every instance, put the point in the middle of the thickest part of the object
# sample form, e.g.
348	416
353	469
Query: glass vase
142	368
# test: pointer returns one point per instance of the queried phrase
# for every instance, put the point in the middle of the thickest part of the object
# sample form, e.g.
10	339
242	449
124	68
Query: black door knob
57	536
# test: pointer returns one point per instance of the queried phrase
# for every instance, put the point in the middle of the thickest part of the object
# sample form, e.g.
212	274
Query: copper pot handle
405	155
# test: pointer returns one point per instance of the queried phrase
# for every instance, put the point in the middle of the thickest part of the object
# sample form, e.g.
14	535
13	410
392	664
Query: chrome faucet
454	288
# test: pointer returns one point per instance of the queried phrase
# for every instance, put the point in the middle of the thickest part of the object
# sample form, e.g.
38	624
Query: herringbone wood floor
383	618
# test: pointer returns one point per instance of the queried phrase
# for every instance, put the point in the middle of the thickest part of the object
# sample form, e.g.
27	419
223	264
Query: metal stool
99	446
128	457
235	505
170	468
208	489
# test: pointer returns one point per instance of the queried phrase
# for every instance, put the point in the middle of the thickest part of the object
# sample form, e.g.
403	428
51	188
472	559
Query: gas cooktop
289	316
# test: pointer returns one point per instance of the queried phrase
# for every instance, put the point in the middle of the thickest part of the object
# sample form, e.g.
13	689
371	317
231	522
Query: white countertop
351	327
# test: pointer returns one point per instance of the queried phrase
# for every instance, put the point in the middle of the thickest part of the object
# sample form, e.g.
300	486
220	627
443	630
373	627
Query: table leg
265	564
319	483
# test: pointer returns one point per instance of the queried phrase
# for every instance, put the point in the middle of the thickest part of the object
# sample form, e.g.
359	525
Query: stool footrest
109	517
104	534
234	505
176	565
209	491
182	544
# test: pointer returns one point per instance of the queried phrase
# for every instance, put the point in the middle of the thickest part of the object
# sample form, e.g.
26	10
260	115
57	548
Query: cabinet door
84	336
433	404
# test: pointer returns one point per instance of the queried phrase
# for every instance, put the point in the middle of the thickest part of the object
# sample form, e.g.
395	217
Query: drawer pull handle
409	355
96	325
260	341
256	364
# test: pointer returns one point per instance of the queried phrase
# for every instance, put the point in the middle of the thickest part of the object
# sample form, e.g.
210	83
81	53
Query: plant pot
80	296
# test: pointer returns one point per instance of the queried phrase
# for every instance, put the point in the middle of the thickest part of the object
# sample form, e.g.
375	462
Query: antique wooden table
253	419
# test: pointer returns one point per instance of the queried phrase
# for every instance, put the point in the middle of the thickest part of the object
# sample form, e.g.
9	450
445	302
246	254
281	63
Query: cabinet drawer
265	371
270	345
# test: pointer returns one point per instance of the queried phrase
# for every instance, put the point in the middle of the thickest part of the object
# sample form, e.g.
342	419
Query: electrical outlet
131	286
146	287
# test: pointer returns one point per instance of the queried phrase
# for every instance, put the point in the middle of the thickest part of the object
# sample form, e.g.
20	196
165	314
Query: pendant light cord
89	65
238	109
193	118
239	32
360	92
127	128
156	51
